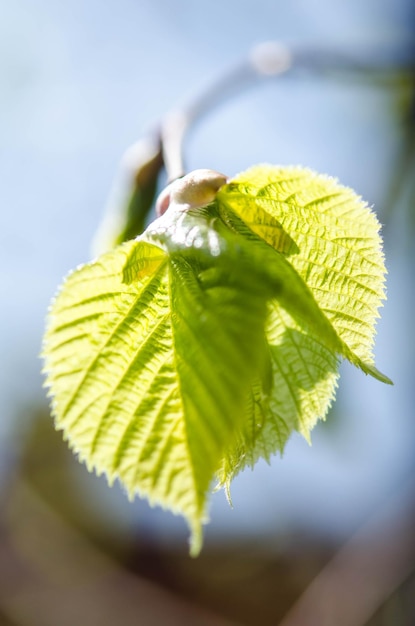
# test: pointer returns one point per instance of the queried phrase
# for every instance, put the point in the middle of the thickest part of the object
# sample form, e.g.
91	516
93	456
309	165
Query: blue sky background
79	82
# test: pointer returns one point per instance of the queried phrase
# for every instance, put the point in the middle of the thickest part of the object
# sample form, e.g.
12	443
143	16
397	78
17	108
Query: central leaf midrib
196	491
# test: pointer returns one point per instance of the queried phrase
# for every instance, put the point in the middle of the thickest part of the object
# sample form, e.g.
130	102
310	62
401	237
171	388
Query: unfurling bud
192	191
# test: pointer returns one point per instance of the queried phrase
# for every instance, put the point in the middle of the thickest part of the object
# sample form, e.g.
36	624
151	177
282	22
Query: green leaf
331	241
149	357
199	347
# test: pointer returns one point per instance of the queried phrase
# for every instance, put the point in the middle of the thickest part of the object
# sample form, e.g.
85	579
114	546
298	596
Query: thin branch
274	59
265	60
134	189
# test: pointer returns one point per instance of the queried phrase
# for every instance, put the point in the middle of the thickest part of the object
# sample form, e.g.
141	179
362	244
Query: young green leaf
149	354
199	347
331	239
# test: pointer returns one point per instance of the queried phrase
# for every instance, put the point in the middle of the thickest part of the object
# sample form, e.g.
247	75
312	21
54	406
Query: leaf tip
227	488
373	371
196	540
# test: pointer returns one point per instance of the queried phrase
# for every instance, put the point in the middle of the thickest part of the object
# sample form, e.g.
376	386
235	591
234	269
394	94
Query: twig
265	60
269	60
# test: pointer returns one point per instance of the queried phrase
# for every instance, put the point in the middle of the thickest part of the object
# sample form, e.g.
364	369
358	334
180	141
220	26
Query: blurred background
324	536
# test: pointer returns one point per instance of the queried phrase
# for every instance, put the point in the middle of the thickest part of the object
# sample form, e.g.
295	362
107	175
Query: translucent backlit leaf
331	238
149	357
199	347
